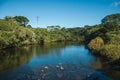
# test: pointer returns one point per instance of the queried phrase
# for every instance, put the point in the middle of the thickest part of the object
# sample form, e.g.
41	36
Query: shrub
96	44
113	38
5	26
111	51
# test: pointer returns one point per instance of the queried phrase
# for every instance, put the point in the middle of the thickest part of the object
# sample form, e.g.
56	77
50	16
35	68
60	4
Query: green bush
15	36
96	44
113	37
5	26
111	51
6	39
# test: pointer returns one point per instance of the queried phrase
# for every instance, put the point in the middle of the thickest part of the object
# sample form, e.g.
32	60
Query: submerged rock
46	67
57	66
42	70
88	75
61	68
59	75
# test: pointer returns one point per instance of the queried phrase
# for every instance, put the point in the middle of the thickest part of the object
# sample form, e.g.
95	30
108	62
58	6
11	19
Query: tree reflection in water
55	61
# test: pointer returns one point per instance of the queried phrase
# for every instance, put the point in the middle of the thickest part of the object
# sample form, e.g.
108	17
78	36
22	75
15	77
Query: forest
102	39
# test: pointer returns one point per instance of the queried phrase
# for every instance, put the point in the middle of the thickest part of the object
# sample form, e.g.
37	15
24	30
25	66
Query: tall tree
111	22
29	26
113	18
56	27
23	21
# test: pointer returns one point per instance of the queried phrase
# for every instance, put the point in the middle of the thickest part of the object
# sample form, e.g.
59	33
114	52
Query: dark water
58	61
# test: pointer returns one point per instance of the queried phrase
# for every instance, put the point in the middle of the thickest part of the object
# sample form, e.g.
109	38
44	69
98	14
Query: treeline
102	39
15	31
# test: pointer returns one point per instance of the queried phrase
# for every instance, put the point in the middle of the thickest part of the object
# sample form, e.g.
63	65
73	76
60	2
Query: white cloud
116	3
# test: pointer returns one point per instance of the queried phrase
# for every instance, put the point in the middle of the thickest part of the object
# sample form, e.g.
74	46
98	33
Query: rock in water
57	66
59	75
61	68
42	70
46	67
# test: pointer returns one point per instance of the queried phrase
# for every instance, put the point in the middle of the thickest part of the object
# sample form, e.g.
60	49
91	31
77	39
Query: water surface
57	61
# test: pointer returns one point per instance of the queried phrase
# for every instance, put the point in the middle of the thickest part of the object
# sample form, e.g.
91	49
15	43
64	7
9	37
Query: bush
111	51
5	26
113	37
16	36
96	44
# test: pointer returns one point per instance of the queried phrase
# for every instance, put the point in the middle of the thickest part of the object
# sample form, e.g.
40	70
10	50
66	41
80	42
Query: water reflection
64	53
56	61
42	50
14	57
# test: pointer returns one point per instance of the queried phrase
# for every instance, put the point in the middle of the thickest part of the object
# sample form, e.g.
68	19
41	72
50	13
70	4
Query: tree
8	18
23	21
111	22
29	26
54	28
113	18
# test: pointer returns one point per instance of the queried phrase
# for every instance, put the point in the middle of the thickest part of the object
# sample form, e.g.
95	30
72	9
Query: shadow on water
14	57
55	61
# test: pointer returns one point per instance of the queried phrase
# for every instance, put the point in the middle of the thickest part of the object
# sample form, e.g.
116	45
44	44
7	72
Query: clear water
58	61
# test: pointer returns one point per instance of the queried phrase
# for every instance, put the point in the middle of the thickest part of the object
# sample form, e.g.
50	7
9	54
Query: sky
66	13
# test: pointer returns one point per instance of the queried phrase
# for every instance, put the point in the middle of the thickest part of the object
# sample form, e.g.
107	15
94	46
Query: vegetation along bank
102	39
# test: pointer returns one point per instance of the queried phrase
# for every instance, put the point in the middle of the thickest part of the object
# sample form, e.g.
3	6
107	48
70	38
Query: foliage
40	34
112	18
111	52
23	21
96	44
29	26
4	26
113	37
91	32
53	34
11	34
57	27
103	38
77	33
109	31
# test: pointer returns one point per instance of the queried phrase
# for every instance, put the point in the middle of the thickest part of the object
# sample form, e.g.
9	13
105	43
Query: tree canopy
112	18
23	21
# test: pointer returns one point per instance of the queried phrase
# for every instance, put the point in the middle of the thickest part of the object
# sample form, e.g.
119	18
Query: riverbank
14	35
50	61
102	39
110	50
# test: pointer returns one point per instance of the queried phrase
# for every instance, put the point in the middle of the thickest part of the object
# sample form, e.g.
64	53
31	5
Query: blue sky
66	13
